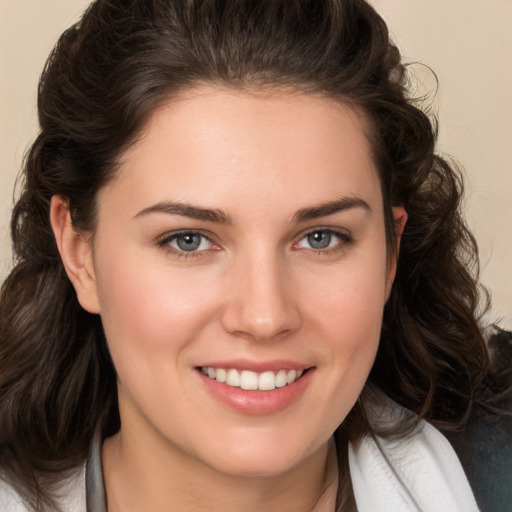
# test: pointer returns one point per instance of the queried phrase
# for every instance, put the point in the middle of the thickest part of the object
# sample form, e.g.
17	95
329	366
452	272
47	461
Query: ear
76	254
400	218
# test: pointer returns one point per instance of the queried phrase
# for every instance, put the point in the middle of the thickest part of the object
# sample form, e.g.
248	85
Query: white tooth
299	373
249	380
233	378
221	375
267	381
204	370
281	378
212	373
291	376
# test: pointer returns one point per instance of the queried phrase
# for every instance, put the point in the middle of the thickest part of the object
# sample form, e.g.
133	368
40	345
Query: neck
143	477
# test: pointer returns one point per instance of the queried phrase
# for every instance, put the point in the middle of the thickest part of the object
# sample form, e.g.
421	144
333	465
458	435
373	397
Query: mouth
253	381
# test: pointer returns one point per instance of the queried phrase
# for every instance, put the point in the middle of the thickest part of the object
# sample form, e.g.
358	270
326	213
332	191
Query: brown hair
106	75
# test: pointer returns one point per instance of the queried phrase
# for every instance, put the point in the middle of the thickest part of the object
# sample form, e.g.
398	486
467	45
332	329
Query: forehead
215	144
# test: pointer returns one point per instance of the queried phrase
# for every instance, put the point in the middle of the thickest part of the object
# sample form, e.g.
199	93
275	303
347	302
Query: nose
260	303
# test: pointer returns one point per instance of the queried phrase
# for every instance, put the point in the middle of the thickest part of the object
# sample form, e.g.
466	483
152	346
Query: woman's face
243	238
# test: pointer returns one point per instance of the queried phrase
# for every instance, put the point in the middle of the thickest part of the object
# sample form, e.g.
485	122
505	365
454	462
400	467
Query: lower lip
257	402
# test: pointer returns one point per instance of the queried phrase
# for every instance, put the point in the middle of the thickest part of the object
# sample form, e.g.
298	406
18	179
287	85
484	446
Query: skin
255	289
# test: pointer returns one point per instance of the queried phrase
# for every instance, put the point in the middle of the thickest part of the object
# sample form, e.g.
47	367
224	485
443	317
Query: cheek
351	298
348	311
152	308
353	327
349	318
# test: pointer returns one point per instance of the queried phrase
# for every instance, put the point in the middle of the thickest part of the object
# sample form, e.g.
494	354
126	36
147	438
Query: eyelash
165	243
343	237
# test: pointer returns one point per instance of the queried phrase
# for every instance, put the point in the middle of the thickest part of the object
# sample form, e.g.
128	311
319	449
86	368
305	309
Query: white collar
418	472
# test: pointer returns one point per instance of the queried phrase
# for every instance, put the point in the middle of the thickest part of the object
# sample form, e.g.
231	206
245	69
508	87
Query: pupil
319	239
188	242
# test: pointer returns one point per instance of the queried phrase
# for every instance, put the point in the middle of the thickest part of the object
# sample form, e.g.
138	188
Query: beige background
467	42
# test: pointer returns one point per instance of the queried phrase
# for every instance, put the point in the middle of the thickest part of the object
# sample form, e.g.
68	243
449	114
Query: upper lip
257	366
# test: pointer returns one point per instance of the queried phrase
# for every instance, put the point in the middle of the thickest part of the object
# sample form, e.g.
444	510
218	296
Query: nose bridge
259	305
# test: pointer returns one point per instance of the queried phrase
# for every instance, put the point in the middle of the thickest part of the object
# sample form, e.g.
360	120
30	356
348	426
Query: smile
252	381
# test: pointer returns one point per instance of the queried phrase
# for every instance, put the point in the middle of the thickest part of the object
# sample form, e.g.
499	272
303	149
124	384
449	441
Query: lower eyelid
166	240
343	238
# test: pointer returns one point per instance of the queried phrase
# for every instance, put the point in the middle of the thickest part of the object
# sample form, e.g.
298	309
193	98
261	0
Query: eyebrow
187	210
330	208
219	217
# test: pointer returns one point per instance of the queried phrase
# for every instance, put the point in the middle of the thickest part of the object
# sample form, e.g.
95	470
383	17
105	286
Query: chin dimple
252	381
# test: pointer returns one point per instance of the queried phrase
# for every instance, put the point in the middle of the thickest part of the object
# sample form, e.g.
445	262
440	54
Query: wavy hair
102	81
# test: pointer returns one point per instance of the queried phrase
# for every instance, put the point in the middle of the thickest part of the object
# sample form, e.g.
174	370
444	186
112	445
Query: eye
187	242
322	239
319	239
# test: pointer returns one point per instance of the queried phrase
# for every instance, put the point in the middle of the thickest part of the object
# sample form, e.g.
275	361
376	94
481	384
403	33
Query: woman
242	277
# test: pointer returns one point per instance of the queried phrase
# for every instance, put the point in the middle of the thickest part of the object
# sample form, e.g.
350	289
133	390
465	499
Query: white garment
72	492
422	471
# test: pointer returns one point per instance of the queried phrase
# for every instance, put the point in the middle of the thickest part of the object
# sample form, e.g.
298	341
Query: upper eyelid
165	242
345	238
169	236
336	230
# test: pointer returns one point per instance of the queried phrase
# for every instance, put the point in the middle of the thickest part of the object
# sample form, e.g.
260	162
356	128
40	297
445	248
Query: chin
255	460
268	468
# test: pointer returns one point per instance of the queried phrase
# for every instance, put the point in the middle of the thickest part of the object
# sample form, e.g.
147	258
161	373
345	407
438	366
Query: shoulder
9	499
71	495
415	471
484	445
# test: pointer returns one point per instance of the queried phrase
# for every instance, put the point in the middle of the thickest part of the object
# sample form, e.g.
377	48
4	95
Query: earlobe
76	254
400	219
